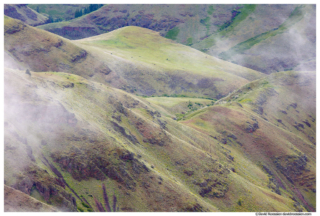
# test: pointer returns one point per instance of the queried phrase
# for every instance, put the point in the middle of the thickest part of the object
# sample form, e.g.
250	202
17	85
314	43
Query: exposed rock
193	208
307	123
258	110
48	187
119	165
81	55
188	172
293	105
120	129
283	111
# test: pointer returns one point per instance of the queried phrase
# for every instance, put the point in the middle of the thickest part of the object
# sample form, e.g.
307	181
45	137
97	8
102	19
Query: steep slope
134	59
81	144
184	23
269	126
60	12
147	59
39	50
280	44
25	14
16	201
236	33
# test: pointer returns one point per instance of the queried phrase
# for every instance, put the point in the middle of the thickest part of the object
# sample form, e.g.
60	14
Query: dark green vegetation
173	33
132	121
58	12
86	10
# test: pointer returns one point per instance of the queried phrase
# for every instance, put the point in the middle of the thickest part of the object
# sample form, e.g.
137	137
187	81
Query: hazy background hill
25	14
236	33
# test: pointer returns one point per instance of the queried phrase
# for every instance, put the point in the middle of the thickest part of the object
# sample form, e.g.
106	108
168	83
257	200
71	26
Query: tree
50	20
28	72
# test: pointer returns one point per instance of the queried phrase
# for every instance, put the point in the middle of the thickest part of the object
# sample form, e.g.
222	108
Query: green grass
173	33
188	141
113	43
210	10
189	41
295	16
143	47
244	13
226	28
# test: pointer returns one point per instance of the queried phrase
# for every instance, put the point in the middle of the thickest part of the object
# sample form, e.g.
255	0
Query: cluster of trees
86	10
52	20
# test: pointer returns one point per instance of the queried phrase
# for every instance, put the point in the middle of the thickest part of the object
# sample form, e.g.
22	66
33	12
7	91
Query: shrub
28	72
173	33
85	205
80	209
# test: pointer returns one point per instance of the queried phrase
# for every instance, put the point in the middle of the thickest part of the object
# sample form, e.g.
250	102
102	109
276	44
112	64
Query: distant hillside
236	33
179	22
25	14
58	12
137	60
268	43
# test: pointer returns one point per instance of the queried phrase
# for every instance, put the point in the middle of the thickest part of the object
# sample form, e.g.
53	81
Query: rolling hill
236	33
25	14
131	121
80	141
58	12
137	60
270	122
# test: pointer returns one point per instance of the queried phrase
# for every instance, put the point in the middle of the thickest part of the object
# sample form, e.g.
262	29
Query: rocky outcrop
119	165
16	201
252	126
121	130
52	191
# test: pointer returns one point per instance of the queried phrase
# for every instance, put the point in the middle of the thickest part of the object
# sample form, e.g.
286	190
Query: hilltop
236	33
25	14
135	59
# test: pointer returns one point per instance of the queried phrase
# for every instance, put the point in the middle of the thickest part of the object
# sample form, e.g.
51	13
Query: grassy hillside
236	33
265	42
134	59
25	14
86	138
62	12
133	121
16	201
269	125
165	67
185	23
